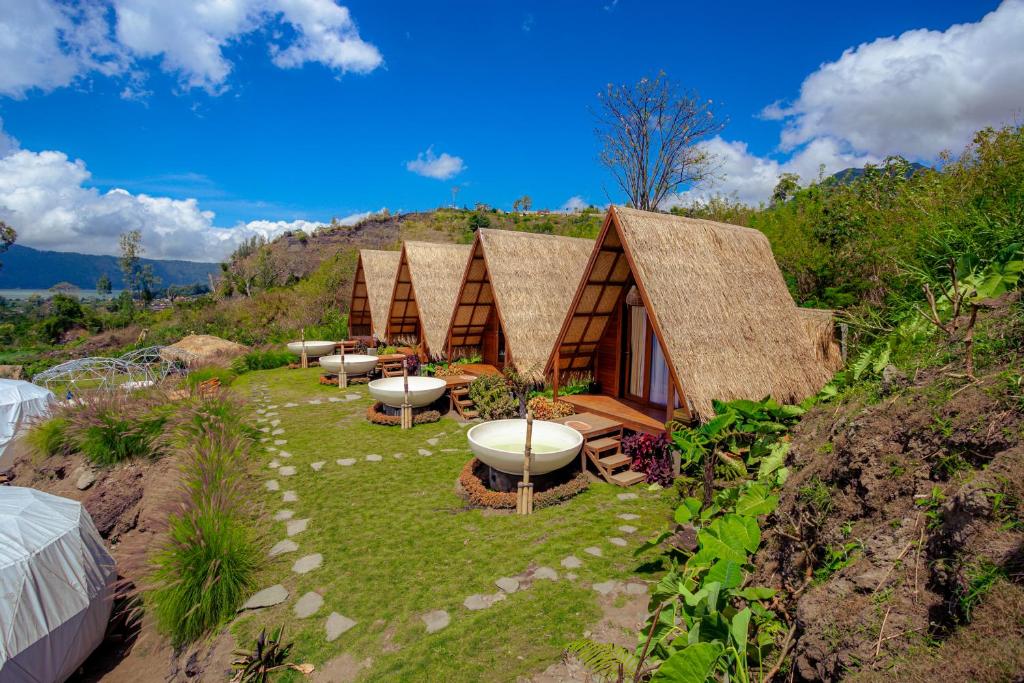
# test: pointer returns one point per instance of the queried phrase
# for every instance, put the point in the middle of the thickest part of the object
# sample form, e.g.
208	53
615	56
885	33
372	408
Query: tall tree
103	285
649	134
7	237
131	252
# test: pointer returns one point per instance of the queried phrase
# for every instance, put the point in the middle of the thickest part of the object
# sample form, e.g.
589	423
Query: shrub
197	377
110	427
50	437
492	398
262	360
474	489
544	408
651	455
375	414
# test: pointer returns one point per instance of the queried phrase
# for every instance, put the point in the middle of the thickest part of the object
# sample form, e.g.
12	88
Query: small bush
110	427
197	377
544	408
651	455
50	438
262	360
493	399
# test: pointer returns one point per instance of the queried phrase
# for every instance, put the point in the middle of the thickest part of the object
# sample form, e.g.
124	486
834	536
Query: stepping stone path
273	464
283	515
621	542
593	550
291	405
507	584
277	432
318	465
436	620
286	471
336	625
346	462
306	564
314	402
289	497
628	496
398	456
296	526
627	529
272	407
334	399
571	576
282	547
275	422
272	485
449	450
628	516
308	605
545	573
268	597
425	452
432	442
633	588
373	457
271	449
478	601
264	429
284	454
606	587
352	397
572	562
280	442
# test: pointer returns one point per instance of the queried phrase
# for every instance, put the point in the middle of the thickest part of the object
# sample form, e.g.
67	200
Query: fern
604	660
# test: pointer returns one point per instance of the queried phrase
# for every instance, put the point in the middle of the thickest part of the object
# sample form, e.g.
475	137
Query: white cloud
46	197
7	142
751	178
916	94
440	167
48	44
575	203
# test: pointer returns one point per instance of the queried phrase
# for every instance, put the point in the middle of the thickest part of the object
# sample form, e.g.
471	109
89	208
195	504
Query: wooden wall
608	357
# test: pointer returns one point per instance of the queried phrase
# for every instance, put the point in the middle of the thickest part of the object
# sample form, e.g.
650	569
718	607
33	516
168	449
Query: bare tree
649	136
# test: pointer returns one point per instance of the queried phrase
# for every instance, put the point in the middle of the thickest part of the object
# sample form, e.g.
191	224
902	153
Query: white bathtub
422	390
355	363
501	443
314	349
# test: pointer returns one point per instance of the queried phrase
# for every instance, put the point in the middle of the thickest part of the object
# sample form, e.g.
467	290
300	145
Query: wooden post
524	492
304	360
557	372
406	408
342	375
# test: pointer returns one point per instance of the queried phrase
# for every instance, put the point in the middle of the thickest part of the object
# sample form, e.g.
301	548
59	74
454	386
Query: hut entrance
646	372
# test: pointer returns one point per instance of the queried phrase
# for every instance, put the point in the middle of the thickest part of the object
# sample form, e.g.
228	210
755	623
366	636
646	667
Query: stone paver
636	588
352	397
260	411
336	625
425	452
286	471
373	457
334	399
436	620
606	587
282	547
308	605
545	573
621	542
291	405
308	563
318	465
268	597
628	516
572	576
314	402
284	454
273	464
289	496
478	601
280	442
272	407
628	496
283	515
507	584
346	462
271	449
593	550
264	429
433	441
296	526
627	529
272	485
572	562
398	456
277	432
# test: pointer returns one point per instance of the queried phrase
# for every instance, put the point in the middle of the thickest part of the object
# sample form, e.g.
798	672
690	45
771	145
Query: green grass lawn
398	542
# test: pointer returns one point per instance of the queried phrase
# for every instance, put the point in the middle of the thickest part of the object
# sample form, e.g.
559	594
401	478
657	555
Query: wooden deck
479	369
614	409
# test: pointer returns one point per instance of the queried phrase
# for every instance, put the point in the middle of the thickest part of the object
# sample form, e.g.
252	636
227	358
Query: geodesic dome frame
162	361
85	374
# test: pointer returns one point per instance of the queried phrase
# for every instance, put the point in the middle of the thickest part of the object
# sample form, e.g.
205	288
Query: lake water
46	294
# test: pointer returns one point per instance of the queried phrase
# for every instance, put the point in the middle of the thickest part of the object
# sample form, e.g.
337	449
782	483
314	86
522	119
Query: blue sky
156	117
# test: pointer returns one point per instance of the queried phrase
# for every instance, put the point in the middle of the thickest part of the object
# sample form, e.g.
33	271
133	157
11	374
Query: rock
336	625
398	456
276	421
318	465
627	529
572	562
283	515
308	563
373	457
346	462
627	496
282	547
264	429
593	550
289	496
296	526
893	379
308	605
433	442
425	452
436	620
86	479
352	397
334	399
478	601
273	464
272	407
507	584
284	454
268	597
545	573
572	576
606	587
621	542
291	405
280	442
636	588
272	485
286	471
277	432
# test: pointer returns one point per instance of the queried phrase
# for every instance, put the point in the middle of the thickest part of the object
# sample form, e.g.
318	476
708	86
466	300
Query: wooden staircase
463	404
391	367
606	455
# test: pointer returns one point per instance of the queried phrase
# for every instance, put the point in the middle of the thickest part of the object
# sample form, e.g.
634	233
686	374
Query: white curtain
659	376
638	347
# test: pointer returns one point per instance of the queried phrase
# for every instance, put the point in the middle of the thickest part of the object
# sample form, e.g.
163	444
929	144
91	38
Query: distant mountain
848	175
28	268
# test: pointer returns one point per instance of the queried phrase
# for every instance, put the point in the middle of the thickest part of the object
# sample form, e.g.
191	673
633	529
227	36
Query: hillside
28	268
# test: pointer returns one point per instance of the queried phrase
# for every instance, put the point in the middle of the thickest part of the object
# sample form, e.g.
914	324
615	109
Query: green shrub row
262	360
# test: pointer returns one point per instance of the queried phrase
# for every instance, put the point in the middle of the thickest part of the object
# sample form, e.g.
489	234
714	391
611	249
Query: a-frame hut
674	312
515	293
424	295
371	292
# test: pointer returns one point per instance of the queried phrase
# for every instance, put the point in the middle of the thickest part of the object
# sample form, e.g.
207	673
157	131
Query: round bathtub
501	443
422	390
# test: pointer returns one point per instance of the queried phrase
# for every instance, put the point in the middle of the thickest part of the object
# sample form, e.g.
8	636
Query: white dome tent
21	402
56	586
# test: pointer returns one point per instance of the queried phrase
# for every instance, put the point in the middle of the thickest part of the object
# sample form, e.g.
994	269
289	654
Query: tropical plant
651	455
266	656
262	360
491	396
543	408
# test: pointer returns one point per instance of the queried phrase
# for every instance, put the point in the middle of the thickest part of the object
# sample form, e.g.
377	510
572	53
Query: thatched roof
717	302
428	281
209	349
531	280
371	291
820	325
